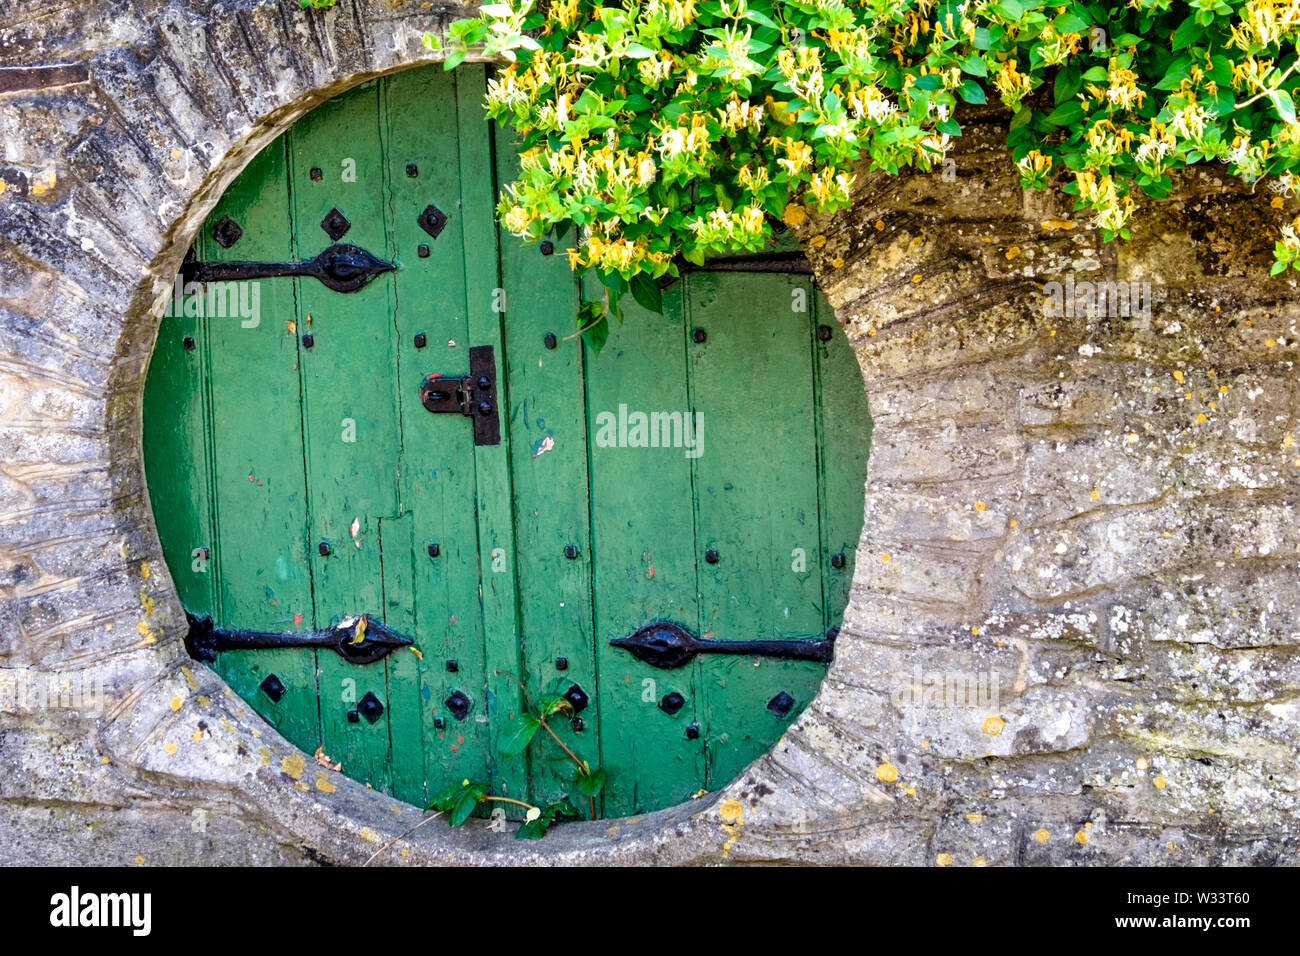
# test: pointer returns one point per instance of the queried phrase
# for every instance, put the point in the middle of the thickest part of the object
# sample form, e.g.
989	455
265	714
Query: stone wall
1095	511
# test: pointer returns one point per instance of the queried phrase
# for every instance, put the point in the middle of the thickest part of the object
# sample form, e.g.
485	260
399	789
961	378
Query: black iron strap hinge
473	395
342	267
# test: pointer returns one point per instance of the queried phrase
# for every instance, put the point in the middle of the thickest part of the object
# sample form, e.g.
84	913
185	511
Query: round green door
401	502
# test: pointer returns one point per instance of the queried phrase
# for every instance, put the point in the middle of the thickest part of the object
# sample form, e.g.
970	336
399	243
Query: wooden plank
844	437
439	606
176	455
256	463
350	411
752	382
644	542
493	502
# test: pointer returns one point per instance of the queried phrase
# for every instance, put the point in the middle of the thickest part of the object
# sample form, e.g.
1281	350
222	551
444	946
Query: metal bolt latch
356	640
667	645
473	395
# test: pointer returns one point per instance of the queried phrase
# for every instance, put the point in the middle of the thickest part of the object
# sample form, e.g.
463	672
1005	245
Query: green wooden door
705	470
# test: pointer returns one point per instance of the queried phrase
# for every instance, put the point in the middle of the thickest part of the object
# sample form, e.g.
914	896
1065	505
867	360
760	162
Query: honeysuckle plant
673	130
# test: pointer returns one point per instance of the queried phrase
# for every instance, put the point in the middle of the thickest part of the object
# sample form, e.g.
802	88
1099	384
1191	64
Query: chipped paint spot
543	444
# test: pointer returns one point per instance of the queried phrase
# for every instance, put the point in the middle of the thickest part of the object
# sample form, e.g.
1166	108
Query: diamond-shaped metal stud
369	707
335	224
273	687
226	232
780	705
432	220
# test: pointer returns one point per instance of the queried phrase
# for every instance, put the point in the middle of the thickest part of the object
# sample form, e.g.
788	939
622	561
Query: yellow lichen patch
975	631
205	700
1178	375
103	760
1012	253
176	703
1277	202
817	241
980	506
323	784
1041	835
43	182
198	735
1141	763
880	225
302	786
1200	418
838	263
170	748
265	756
979	861
1014	523
1094	494
1288	441
189	678
139	861
730	811
1158	783
794	215
1270	343
974	818
994	725
885	558
887	772
918	277
1081	837
293	765
144	570
943	859
1066	224
925	743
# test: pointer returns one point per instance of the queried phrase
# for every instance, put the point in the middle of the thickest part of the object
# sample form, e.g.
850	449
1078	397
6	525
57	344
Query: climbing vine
668	131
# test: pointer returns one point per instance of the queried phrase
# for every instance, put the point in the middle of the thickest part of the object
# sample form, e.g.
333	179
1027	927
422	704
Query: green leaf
1188	32
972	92
1066	114
517	734
1285	107
464	806
647	293
974	65
1010	9
1069	23
551	704
1095	75
590	784
454	59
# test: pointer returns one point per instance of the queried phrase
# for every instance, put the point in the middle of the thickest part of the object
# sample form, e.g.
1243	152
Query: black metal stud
421	340
354	717
273	687
548	247
423	250
571	551
308	340
335	224
439	723
672	703
189	343
561	663
780	705
315	174
459	704
823	333
837	560
324	549
577	698
432	220
693	731
435	549
700	336
711	555
453	667
412	170
549	340
226	232
369	707
485	408
577	725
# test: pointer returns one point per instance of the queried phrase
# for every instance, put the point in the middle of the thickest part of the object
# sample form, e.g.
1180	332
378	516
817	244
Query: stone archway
1114	584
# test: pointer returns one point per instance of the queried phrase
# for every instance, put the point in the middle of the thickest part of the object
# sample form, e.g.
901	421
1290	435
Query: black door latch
342	267
474	395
